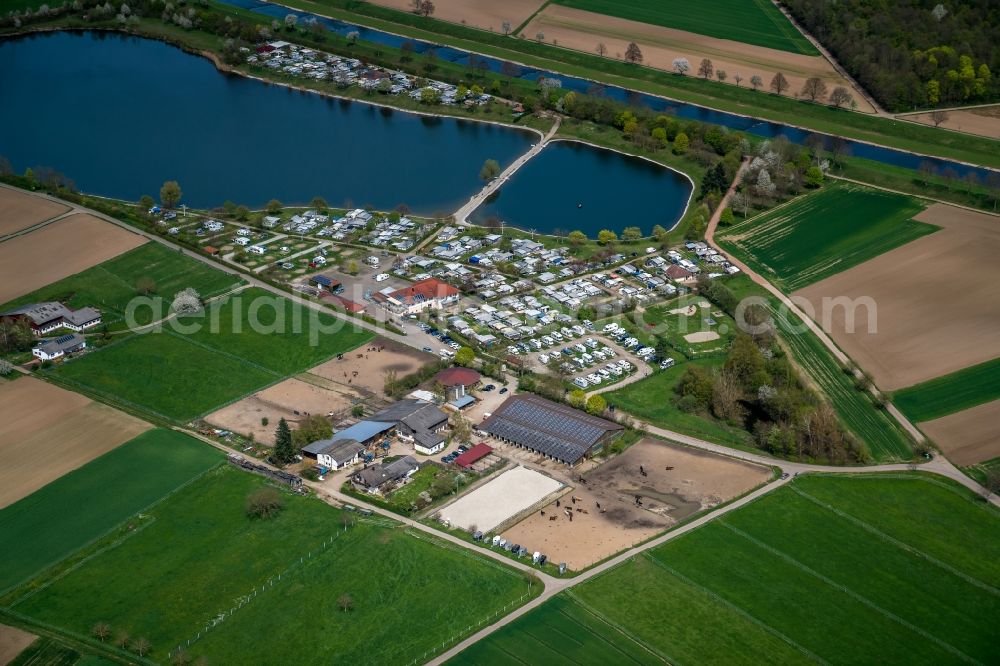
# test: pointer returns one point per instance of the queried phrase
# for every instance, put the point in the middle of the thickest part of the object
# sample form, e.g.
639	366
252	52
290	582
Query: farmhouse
419	422
424	295
337	453
375	478
47	317
48	350
365	434
552	429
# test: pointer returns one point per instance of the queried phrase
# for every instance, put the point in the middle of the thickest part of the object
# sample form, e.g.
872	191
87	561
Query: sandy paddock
984	121
582	30
58	250
13	641
20	210
373	366
280	401
486	14
701	336
696	480
46	431
935	297
501	499
970	436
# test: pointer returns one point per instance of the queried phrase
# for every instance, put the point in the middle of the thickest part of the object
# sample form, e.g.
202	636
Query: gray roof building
376	476
55	347
51	315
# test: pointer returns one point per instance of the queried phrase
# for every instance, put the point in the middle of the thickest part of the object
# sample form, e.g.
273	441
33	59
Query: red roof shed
477	452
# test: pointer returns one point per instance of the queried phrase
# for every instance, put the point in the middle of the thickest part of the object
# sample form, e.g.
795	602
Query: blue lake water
120	115
733	121
570	186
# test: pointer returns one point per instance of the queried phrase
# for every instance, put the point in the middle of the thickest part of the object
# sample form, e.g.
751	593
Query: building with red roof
466	377
473	455
429	294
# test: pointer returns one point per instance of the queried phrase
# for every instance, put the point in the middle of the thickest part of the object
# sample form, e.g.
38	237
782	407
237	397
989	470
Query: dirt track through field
970	436
19	211
485	14
936	305
58	250
46	431
582	30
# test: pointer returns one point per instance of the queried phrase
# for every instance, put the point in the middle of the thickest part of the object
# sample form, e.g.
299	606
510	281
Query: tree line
912	53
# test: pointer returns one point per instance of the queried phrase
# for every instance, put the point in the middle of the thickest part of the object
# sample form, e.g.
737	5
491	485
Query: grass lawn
952	393
165	374
63	516
202	554
755	22
111	285
651	400
824	233
561	632
834	569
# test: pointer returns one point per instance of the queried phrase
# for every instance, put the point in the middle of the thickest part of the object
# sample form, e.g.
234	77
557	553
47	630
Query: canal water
120	115
570	186
733	121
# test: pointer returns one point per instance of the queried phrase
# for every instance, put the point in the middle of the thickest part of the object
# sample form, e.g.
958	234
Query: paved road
462	213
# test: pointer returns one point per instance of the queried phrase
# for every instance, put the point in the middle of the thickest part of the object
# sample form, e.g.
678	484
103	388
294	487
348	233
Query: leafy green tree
170	194
681	143
242	213
727	217
284	451
606	237
596	404
631	233
319	203
264	503
274	207
145	203
659	135
465	356
813	176
659	231
576	238
490	170
577	398
311	429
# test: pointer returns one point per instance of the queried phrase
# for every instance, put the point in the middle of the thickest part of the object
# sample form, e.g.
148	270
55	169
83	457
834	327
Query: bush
264	503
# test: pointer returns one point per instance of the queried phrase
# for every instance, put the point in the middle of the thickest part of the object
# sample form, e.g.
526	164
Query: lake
120	115
570	186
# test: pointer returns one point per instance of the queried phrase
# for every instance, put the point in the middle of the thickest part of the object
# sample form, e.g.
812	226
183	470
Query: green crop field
902	568
561	632
46	651
952	393
824	233
111	285
201	556
170	373
755	22
63	516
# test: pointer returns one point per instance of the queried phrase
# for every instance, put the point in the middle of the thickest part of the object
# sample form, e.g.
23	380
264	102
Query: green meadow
951	393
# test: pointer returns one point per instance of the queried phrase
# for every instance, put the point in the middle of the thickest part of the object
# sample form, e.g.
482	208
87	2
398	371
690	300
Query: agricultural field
187	571
22	210
49	652
952	393
485	14
753	22
252	340
824	233
110	286
62	517
826	569
923	310
968	437
58	250
70	431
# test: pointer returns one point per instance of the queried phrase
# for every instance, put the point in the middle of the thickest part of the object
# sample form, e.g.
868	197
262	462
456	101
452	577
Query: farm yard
22	210
675	483
187	571
824	233
372	367
165	372
109	286
58	250
829	569
572	27
748	21
937	310
40	444
54	522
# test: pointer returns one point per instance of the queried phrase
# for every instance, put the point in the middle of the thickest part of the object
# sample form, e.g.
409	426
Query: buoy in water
579	205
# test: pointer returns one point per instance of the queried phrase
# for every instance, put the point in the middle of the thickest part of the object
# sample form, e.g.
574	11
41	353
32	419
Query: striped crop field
952	393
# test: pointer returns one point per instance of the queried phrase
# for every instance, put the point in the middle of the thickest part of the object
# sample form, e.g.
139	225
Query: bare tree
939	116
506	27
814	88
602	50
540	36
720	74
738	78
705	69
346	602
122	639
841	97
681	66
140	646
756	81
426	7
779	83
633	53
101	631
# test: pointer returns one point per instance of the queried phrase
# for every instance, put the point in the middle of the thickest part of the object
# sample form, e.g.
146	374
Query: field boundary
849	592
896	542
739	611
597	615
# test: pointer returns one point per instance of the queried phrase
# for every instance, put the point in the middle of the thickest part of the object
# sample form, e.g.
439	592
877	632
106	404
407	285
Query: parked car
503	390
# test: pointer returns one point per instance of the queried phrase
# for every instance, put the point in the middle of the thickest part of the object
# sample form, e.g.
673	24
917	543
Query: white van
581	382
543	358
372	261
381	277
